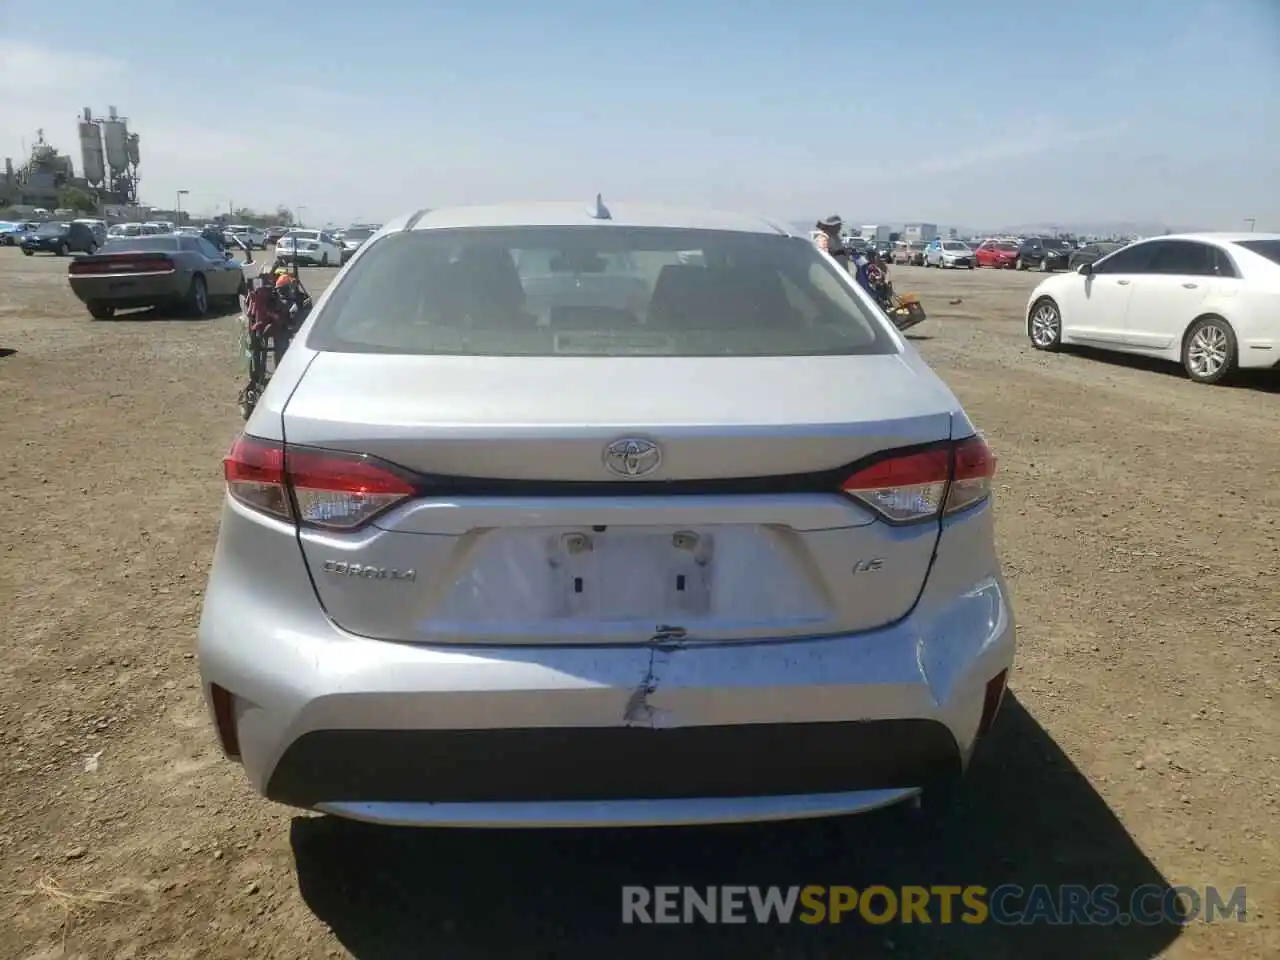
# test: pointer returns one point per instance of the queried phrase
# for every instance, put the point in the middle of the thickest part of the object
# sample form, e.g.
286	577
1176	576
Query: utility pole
178	206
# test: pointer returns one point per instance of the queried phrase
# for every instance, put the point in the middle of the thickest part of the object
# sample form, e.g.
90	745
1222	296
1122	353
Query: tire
1019	265
91	249
1044	266
100	311
1210	353
1044	325
971	266
28	253
60	250
197	298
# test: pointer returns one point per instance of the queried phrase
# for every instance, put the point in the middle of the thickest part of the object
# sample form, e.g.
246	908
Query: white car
251	237
1208	300
949	255
310	246
352	239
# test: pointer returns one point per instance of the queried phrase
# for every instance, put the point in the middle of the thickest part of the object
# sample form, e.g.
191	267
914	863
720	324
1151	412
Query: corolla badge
632	457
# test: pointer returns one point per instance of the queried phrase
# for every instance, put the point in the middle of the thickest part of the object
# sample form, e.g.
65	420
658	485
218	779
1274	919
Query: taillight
925	484
975	465
316	488
123	264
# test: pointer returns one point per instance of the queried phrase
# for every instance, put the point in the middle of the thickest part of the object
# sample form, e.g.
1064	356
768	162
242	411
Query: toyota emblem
632	457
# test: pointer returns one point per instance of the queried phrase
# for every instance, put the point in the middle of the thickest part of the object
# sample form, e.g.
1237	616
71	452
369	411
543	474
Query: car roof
1217	236
564	214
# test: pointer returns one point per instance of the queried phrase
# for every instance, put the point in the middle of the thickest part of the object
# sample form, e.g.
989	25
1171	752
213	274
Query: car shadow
7	352
152	314
1266	381
918	336
1024	816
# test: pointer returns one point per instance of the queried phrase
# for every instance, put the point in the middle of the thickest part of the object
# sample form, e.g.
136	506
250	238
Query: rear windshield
357	233
120	244
1263	248
1054	244
954	245
51	229
596	291
302	235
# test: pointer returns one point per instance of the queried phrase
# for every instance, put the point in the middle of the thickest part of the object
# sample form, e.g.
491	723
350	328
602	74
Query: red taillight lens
904	488
975	465
331	490
926	483
122	264
255	476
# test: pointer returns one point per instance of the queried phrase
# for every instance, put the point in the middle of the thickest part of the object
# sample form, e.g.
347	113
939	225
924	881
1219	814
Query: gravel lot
1139	524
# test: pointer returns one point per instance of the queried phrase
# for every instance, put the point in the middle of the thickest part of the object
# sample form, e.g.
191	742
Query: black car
1044	254
172	270
60	239
1090	253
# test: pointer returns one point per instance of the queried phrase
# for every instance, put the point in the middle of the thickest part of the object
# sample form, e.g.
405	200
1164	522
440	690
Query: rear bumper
572	735
126	293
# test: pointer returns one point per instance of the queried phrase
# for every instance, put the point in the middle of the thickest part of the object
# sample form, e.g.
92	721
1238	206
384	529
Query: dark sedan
59	239
1092	252
1043	253
175	270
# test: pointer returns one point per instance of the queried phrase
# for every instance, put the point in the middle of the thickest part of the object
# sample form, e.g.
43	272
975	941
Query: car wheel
197	302
1044	326
1044	266
60	250
101	311
28	253
91	249
971	266
1019	265
1209	351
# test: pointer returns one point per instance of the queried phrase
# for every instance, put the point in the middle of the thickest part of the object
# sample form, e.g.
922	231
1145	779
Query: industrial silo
91	156
116	136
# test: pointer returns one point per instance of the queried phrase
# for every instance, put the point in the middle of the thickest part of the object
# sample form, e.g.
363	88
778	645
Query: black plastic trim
822	481
613	763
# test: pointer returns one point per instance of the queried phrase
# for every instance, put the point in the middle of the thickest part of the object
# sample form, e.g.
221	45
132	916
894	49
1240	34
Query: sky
983	113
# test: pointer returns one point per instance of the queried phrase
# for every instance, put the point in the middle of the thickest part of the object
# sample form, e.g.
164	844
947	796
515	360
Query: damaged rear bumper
672	732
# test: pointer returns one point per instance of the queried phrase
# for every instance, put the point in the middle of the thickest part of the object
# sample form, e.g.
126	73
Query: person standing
829	239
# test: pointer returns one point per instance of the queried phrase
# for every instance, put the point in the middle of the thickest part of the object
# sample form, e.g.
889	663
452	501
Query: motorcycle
268	323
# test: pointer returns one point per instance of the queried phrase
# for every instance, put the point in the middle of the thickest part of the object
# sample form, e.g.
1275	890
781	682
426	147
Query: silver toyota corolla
561	515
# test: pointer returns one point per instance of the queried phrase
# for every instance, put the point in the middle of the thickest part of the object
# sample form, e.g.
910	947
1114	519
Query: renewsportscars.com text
1008	904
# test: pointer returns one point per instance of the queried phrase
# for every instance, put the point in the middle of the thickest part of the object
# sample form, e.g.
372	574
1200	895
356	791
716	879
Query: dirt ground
1140	525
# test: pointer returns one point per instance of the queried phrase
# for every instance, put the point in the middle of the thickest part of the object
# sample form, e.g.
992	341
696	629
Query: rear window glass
596	290
1263	248
954	245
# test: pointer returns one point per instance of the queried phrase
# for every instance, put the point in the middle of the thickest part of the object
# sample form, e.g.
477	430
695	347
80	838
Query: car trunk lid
526	530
